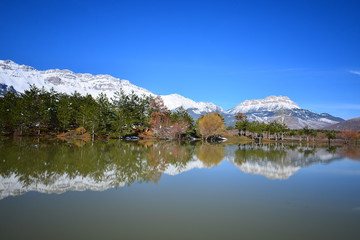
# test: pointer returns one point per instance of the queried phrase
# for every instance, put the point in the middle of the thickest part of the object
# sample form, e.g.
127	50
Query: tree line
277	131
38	111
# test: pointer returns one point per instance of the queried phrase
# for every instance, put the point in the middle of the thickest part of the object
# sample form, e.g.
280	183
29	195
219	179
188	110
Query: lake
169	190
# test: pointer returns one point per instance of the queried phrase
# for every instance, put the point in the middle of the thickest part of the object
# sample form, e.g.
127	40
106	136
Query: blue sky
223	51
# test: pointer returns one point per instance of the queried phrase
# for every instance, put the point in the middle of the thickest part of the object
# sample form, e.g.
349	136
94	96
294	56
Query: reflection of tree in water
210	154
351	153
332	149
117	163
279	161
171	152
292	147
162	154
307	151
260	152
44	162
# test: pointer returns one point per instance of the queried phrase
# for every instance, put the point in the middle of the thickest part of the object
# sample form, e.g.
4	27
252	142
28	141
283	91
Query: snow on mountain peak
271	103
174	101
21	76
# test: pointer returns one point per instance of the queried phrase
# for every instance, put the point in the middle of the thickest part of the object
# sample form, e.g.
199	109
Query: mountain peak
271	103
7	64
277	98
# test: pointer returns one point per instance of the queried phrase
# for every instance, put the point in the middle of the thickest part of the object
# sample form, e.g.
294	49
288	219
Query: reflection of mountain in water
12	185
58	167
278	162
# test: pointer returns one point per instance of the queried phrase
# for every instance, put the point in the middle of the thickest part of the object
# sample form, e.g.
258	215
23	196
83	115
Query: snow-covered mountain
19	77
195	109
271	103
174	101
280	109
15	77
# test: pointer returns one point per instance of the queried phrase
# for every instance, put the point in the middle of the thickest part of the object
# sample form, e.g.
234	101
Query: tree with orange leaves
349	135
166	124
160	119
211	124
240	116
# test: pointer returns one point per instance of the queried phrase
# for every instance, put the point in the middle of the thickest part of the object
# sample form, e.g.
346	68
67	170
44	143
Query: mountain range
15	77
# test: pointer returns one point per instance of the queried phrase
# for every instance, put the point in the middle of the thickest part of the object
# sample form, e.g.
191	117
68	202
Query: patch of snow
328	121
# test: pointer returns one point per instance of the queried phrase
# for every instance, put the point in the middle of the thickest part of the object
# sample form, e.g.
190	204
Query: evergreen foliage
258	129
38	111
130	113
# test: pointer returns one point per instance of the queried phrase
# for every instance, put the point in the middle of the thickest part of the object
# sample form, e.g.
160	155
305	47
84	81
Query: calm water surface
169	190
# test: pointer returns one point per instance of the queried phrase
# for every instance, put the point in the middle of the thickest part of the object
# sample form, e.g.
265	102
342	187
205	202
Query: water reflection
210	155
56	167
280	161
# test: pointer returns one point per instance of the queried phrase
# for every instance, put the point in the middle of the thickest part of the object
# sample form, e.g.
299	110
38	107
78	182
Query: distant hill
351	124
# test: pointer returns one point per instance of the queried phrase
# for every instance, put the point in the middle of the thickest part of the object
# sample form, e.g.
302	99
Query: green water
170	190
